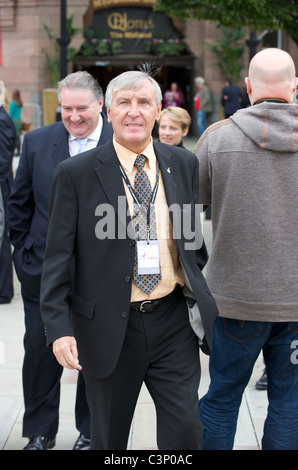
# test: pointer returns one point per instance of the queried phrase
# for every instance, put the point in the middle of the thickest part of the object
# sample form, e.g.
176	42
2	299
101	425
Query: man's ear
109	114
100	104
158	112
248	85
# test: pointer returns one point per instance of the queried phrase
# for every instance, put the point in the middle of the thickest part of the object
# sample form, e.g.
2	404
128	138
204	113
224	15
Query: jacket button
124	314
127	279
132	243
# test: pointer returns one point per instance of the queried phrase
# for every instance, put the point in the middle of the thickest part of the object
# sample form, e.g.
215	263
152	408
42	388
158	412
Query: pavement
143	433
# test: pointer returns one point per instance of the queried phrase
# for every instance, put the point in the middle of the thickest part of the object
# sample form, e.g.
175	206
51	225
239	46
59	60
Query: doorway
168	71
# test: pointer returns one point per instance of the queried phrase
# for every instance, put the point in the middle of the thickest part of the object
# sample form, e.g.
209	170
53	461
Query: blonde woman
174	124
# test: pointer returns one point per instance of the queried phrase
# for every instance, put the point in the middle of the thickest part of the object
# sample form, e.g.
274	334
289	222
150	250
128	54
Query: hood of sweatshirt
271	126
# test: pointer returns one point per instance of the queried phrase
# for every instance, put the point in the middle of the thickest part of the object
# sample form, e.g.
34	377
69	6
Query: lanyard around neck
131	190
134	196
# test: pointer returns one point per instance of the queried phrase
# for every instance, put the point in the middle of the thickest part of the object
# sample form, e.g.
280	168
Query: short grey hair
131	79
81	80
200	80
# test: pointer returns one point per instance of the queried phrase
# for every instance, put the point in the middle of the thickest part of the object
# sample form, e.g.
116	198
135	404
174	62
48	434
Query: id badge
148	257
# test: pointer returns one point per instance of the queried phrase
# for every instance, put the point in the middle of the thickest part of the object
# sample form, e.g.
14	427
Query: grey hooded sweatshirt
249	175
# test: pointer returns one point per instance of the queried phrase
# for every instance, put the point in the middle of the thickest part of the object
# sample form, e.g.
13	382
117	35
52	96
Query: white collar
95	135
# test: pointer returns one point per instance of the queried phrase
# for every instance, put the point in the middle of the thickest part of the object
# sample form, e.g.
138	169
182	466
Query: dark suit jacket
232	99
28	205
7	146
98	311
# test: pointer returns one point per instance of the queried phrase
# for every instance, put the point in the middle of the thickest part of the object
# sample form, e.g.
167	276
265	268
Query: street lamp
63	41
252	43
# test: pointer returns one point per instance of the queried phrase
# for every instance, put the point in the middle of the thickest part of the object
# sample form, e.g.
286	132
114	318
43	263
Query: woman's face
170	132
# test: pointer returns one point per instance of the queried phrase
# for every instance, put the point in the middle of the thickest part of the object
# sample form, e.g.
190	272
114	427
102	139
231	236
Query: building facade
108	37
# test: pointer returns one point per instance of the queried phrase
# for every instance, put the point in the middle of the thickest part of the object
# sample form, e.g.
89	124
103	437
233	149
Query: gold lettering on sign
137	35
121	22
100	4
115	35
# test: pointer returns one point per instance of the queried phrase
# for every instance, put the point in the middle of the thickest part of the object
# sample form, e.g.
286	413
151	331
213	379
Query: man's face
79	111
133	114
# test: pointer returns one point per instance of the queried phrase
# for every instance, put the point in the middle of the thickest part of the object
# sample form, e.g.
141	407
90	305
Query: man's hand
65	350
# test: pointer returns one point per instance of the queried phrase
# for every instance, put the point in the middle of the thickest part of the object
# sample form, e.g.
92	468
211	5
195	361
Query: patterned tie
83	145
142	189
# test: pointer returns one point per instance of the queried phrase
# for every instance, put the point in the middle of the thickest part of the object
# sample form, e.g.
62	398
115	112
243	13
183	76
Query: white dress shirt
93	139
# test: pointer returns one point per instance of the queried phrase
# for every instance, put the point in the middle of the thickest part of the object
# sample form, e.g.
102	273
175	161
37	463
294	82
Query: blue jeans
201	117
236	347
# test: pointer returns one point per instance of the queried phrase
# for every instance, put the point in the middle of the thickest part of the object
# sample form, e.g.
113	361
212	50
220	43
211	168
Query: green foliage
88	48
170	48
102	47
229	51
53	58
97	44
165	46
116	47
255	14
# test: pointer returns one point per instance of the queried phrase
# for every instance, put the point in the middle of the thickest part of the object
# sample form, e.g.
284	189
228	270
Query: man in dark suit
126	310
81	100
7	146
2	219
232	98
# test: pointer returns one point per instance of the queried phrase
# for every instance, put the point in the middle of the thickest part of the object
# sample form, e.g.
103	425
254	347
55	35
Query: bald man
249	175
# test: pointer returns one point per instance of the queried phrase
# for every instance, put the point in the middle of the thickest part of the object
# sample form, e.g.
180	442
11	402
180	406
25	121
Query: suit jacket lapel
170	173
106	132
108	173
60	146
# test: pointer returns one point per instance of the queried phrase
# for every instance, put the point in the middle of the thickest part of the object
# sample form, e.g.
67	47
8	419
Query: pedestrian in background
83	126
15	109
203	103
173	96
232	98
253	270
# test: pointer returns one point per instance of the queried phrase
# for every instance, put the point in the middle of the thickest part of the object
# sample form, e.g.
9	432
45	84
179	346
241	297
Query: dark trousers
6	271
6	266
41	380
161	350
